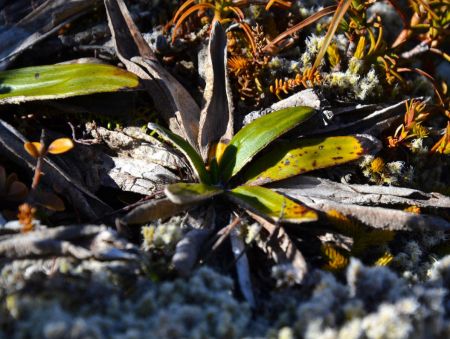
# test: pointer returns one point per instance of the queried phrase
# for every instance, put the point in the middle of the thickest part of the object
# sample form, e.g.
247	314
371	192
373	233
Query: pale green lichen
285	275
417	146
252	233
355	66
162	235
368	87
353	83
416	257
313	44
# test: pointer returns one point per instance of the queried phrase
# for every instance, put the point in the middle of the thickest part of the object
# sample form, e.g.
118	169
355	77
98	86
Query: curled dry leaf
152	210
216	118
380	217
188	249
312	187
11	189
242	267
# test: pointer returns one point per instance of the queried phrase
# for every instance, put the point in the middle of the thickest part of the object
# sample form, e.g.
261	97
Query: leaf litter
117	180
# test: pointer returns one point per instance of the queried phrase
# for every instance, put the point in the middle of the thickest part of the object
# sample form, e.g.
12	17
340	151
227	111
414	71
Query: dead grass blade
338	15
308	21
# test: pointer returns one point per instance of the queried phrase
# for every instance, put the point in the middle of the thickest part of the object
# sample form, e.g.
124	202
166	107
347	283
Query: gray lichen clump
88	302
182	278
374	303
64	298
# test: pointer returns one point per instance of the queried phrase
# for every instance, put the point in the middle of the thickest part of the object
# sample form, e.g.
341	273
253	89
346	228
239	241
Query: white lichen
163	235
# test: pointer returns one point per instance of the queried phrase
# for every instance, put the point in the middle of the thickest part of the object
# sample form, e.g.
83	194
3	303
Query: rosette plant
225	165
234	166
235	172
229	170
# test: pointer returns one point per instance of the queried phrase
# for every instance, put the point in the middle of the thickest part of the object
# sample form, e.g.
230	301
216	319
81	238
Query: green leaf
195	160
268	203
62	81
257	135
184	193
288	159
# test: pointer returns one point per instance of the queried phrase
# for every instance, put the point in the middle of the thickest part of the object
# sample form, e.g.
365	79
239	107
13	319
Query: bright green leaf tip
186	193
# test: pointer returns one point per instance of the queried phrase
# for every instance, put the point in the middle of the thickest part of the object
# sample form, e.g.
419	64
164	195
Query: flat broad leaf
257	135
62	81
185	193
188	151
288	159
268	203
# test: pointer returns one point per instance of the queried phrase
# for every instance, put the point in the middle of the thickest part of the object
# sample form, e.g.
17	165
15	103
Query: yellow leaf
333	55
359	52
266	202
344	224
285	160
60	145
413	209
33	148
336	261
384	260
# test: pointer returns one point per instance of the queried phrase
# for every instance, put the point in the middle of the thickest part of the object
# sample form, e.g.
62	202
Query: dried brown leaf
216	118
